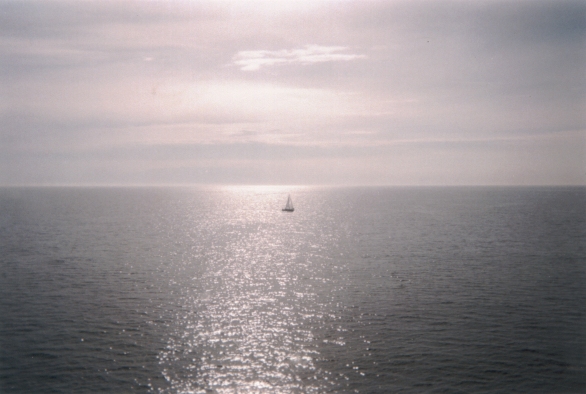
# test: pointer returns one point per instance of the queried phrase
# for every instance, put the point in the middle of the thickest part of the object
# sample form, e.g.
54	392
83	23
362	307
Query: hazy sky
315	92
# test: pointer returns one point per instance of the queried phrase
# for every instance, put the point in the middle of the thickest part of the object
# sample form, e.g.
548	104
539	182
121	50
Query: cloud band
310	54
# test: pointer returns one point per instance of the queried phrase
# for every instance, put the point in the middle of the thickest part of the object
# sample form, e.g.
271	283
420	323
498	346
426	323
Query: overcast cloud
323	92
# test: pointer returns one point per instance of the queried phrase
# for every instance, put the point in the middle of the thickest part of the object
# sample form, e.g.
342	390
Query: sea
214	289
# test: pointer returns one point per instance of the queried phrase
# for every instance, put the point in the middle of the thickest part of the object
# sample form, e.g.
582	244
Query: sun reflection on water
249	313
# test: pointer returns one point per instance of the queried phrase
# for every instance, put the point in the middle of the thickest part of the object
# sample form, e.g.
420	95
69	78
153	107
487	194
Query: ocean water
216	290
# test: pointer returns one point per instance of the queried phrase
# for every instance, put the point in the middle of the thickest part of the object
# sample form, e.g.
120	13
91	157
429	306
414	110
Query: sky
399	92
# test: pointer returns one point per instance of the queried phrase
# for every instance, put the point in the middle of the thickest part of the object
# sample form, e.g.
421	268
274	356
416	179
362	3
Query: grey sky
346	92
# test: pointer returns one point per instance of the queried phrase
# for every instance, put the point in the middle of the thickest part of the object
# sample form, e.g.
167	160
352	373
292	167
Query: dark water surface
214	289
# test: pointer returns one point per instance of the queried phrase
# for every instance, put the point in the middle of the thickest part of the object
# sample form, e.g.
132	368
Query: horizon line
190	185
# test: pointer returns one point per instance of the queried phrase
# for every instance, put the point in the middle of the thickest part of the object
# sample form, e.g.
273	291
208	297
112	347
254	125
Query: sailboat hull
288	209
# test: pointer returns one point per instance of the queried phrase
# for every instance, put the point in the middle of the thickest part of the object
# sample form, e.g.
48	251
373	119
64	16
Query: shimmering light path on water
360	289
252	320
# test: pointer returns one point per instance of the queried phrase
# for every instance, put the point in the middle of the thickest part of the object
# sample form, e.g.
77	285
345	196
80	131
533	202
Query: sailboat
289	206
